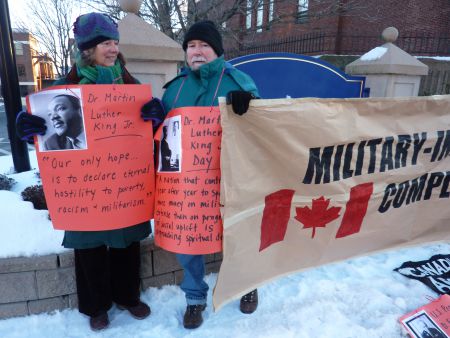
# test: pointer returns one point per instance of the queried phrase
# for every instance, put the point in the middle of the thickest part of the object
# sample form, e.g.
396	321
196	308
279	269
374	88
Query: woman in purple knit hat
107	263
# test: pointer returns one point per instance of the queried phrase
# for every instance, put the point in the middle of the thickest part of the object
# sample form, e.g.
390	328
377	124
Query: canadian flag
277	211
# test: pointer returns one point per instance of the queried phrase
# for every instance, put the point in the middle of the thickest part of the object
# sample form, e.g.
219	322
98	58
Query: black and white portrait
422	326
62	110
170	146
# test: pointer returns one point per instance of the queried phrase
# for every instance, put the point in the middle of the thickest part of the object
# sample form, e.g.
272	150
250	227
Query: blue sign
280	75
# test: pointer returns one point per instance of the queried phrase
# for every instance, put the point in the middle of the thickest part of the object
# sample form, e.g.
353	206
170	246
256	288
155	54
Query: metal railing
327	43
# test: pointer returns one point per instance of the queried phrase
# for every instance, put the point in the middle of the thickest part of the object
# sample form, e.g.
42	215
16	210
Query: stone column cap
387	59
141	41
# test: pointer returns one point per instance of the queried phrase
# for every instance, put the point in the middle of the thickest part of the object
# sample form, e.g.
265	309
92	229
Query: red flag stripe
355	210
275	219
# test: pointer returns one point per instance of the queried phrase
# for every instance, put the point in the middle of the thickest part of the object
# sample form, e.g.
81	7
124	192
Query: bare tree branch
173	17
52	18
51	27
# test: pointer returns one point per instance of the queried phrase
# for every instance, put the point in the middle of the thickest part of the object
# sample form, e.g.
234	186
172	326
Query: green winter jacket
199	86
119	238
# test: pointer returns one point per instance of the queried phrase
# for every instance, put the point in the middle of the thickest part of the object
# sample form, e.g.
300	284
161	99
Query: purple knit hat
93	28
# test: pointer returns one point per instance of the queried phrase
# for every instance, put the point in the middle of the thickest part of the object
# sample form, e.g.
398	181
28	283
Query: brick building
338	26
35	69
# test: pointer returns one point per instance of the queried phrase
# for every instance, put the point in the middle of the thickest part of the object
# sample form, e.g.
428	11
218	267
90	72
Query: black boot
99	322
140	311
249	302
193	316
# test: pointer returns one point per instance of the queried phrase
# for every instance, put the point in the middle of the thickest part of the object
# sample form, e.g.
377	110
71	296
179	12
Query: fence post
389	71
11	90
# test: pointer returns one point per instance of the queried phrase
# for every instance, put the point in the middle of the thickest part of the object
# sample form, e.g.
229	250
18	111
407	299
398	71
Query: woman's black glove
28	125
153	111
239	100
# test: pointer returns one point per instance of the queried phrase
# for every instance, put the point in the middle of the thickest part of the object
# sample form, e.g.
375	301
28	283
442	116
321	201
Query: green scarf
100	74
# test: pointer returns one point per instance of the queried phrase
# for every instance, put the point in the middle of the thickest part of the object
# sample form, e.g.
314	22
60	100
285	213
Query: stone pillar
389	71
152	57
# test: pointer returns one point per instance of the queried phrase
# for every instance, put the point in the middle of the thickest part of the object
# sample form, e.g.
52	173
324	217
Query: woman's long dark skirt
106	275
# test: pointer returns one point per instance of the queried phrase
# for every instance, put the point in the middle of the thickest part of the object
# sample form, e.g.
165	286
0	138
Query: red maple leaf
318	215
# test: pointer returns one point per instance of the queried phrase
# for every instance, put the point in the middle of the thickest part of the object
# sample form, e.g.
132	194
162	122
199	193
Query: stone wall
416	19
32	285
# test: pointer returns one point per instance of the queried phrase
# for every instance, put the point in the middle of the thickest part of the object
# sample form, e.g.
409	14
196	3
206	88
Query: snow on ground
358	298
25	231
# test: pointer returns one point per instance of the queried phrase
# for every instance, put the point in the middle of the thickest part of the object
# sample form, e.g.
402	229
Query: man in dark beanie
206	78
205	31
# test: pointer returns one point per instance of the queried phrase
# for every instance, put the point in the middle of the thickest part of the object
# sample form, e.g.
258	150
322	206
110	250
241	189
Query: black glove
239	100
28	125
153	111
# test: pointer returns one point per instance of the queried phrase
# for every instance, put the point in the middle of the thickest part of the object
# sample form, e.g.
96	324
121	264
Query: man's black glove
28	125
153	111
239	100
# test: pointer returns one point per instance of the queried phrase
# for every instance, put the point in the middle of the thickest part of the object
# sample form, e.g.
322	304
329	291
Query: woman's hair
87	57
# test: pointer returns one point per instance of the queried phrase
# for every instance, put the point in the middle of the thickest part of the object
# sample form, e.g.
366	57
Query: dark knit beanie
93	28
205	31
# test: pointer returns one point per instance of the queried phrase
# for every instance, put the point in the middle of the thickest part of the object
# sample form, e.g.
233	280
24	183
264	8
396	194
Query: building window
248	19
302	13
19	48
259	15
21	70
270	17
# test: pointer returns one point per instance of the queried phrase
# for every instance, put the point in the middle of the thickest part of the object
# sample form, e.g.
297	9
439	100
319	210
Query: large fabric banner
307	182
187	212
96	158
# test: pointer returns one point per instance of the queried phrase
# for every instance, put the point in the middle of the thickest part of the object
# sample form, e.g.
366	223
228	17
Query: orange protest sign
431	320
187	214
96	158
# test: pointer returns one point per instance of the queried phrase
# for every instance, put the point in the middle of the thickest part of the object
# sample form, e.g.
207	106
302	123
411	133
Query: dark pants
106	275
